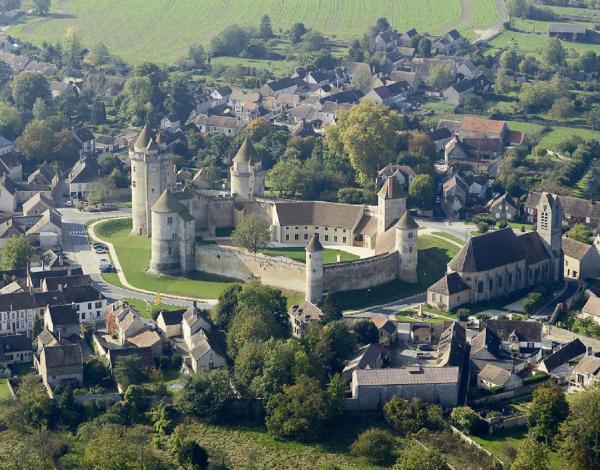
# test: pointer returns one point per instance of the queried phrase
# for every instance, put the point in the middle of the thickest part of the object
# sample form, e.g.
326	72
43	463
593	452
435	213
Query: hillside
162	30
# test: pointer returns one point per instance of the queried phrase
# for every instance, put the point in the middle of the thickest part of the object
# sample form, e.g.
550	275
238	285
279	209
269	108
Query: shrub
503	224
376	445
465	419
176	360
483	227
463	314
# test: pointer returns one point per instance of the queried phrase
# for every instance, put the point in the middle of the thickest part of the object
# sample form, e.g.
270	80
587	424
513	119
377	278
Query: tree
15	252
99	55
548	409
100	192
537	95
179	102
41	110
592	182
37	327
532	455
288	177
562	108
252	233
192	456
330	346
96	372
376	445
424	48
417	457
128	370
298	412
441	78
580	232
32	407
580	432
408	417
554	53
137	98
510	60
530	304
503	81
465	419
382	24
368	135
265	30
518	8
207	395
41	7
313	41
231	41
11	123
331	308
296	32
463	314
224	311
72	49
593	117
197	55
366	332
27	87
66	148
355	52
362	79
421	190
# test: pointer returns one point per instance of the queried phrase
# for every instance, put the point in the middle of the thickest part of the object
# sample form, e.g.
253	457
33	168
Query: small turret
247	175
314	270
407	231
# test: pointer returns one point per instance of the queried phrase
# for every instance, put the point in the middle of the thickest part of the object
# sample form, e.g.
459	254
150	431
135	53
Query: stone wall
360	274
232	262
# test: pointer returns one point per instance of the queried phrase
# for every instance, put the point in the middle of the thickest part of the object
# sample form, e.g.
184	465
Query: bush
376	445
483	227
503	224
463	314
176	360
465	419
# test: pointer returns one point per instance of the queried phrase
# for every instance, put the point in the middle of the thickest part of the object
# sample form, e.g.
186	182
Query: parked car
108	269
424	347
424	355
104	263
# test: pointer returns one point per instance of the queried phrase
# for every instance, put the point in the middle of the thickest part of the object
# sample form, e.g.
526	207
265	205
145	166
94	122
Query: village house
301	316
456	93
15	349
493	377
388	95
169	322
46	175
587	372
478	185
10	161
558	364
425	68
387	329
226	125
403	173
591	309
82	176
421	333
369	356
575	210
503	207
85	138
282	85
440	137
60	364
582	261
37	205
62	321
220	95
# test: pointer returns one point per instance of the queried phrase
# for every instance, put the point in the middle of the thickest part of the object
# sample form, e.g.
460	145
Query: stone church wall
232	262
360	274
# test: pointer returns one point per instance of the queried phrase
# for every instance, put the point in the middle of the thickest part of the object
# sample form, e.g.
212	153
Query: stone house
493	377
421	333
226	125
575	210
456	93
6	146
169	322
61	364
62	321
282	85
440	137
591	309
587	372
82	176
558	364
301	316
220	95
388	95
503	207
386	328
37	205
425	68
582	261
10	162
15	349
369	356
46	175
373	388
85	139
449	292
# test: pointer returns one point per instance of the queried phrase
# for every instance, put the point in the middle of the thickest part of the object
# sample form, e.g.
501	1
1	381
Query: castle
501	262
174	217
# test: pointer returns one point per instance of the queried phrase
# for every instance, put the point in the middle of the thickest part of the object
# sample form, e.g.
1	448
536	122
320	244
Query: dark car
108	269
424	347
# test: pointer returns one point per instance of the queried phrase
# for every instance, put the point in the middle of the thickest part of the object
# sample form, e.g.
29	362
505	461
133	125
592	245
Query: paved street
78	249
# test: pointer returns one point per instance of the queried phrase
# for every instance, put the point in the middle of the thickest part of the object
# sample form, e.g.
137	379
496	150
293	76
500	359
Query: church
173	218
501	262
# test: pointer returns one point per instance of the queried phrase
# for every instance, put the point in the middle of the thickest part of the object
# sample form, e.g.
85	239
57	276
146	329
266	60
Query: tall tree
27	87
368	135
554	53
265	30
197	55
362	79
296	32
416	457
207	395
180	102
548	409
421	190
72	49
531	455
252	233
128	370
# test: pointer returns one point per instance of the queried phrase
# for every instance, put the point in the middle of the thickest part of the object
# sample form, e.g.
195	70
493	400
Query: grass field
299	254
142	307
4	393
162	30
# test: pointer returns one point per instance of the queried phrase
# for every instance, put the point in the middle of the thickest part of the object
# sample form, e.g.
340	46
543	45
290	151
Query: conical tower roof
143	139
406	222
246	153
167	203
391	189
314	244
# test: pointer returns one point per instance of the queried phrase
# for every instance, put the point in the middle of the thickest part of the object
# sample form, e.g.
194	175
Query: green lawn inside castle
134	257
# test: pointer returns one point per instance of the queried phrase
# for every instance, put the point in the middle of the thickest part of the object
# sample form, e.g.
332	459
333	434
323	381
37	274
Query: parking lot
404	354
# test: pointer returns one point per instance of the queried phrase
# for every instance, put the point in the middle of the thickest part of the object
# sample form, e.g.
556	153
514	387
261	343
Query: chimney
589	351
195	305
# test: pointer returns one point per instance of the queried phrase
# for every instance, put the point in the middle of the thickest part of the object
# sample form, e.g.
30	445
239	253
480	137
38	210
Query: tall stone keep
314	271
391	204
152	171
407	232
247	175
549	227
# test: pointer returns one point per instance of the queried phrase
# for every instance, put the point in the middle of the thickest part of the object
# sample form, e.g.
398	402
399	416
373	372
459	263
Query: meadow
162	30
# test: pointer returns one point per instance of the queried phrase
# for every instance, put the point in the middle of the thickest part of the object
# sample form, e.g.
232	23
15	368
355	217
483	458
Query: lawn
245	447
4	393
165	29
500	443
134	256
434	255
449	236
146	310
299	254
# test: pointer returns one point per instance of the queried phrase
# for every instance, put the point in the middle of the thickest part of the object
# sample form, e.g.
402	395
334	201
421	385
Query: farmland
166	28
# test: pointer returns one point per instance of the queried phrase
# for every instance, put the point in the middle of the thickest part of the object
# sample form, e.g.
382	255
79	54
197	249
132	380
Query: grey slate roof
450	284
63	314
319	213
527	331
407	376
246	153
406	222
565	354
391	189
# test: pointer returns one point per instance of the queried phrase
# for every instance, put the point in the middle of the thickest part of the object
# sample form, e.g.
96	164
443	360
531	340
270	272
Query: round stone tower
152	171
165	234
407	232
314	270
247	175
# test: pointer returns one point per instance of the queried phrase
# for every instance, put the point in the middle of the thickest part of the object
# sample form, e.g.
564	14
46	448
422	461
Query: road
458	229
487	34
571	288
77	248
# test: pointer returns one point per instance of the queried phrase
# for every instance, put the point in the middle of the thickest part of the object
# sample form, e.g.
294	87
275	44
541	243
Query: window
335	238
170	220
296	236
410	249
410	234
83	316
326	238
306	236
480	287
491	284
89	305
174	236
169	251
133	184
98	305
287	237
344	239
287	228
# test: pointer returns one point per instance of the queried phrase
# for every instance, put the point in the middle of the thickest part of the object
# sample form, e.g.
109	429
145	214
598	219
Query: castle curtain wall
360	274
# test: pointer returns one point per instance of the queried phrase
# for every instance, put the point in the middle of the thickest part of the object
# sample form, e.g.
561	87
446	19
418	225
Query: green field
299	254
4	392
162	30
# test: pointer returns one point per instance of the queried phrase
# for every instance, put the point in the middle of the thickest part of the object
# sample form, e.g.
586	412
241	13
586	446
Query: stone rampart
360	274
